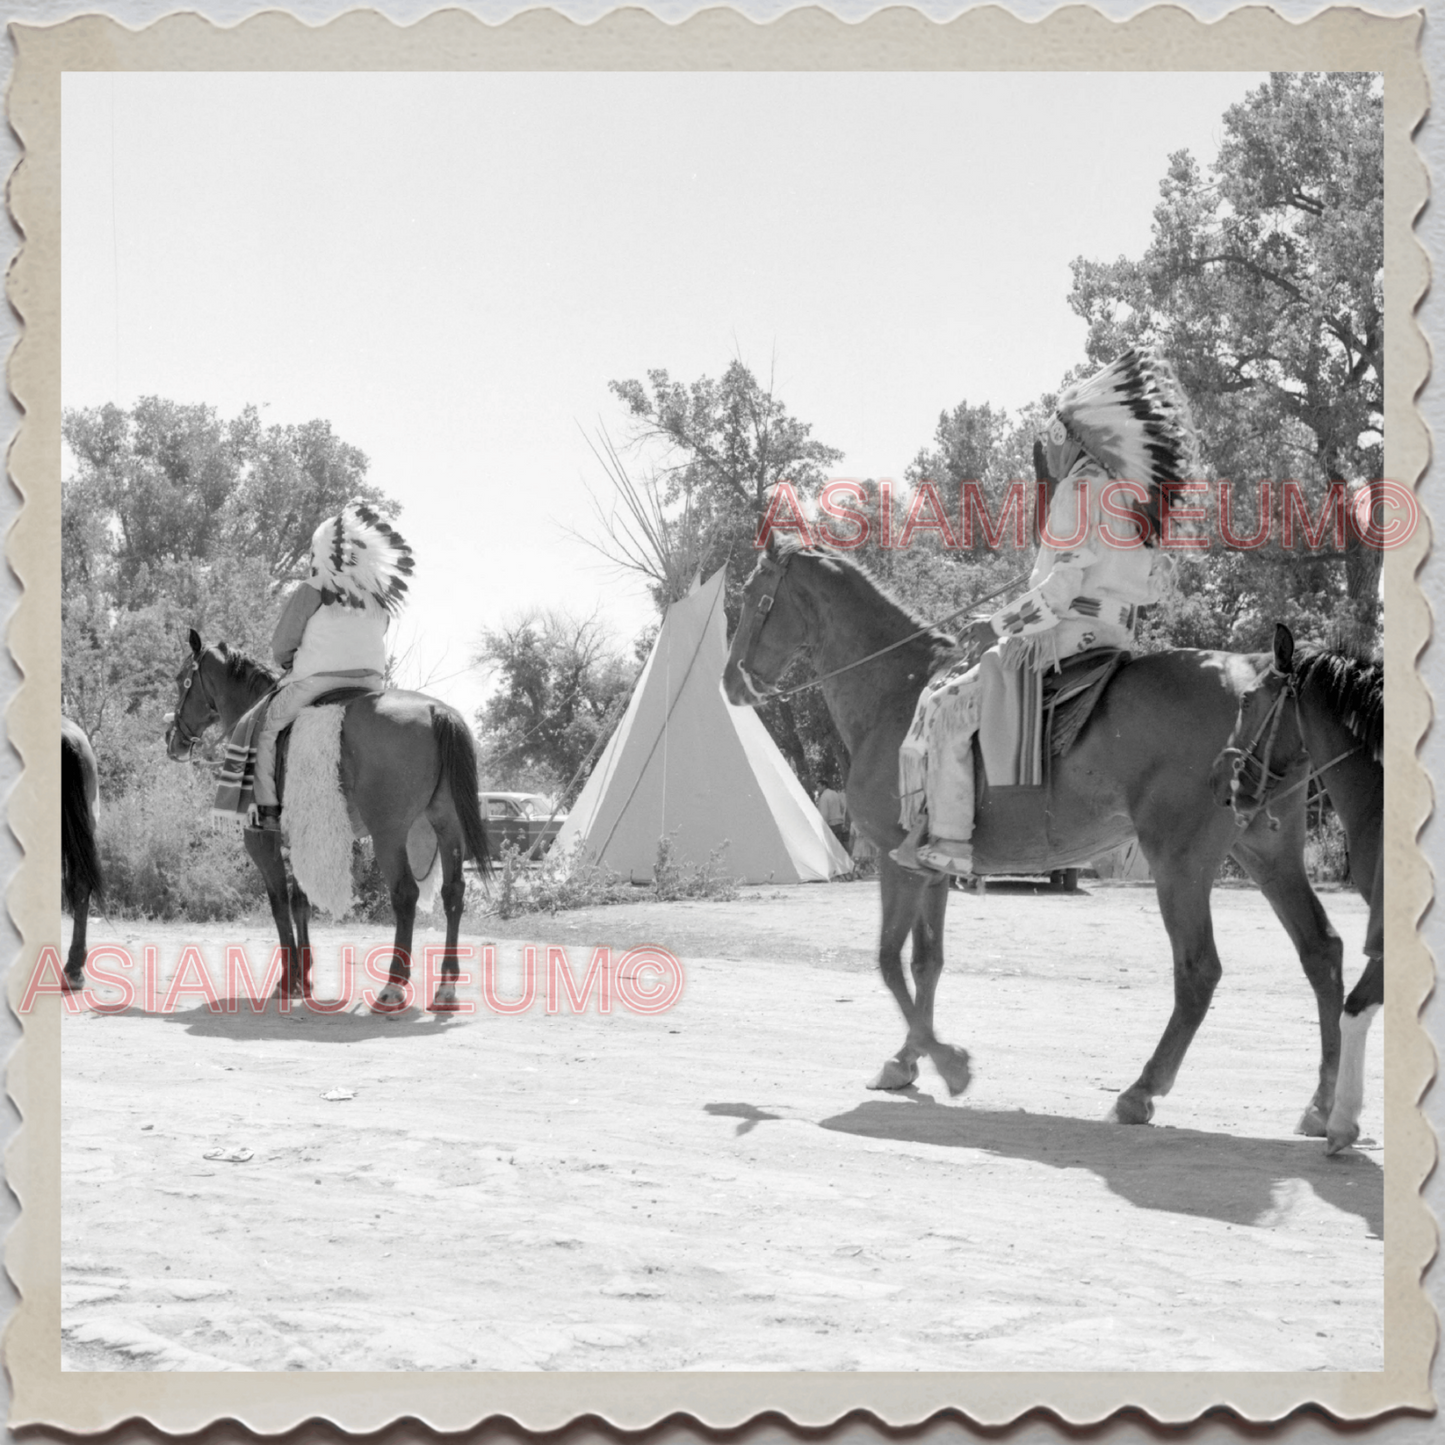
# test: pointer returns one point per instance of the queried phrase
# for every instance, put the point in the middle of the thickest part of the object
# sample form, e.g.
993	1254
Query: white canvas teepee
685	763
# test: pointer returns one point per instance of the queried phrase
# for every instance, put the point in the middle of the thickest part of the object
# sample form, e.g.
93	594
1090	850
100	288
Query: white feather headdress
361	557
1132	419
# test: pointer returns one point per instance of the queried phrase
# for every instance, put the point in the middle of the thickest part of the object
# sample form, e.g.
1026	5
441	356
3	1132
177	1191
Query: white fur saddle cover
319	823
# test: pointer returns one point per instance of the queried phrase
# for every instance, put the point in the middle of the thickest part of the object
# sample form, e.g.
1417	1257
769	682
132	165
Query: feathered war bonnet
1132	420
361	558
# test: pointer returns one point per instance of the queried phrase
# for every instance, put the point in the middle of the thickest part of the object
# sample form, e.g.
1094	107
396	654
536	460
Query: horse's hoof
446	1000
952	1065
1337	1139
73	982
1132	1108
895	1074
390	1001
1312	1124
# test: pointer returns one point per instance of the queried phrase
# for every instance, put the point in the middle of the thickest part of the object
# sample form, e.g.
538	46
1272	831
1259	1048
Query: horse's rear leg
75	957
1363	1004
454	893
391	854
264	846
1183	887
1276	862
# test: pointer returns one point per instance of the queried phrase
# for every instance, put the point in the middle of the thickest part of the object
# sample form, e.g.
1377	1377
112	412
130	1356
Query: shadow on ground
237	1019
1184	1171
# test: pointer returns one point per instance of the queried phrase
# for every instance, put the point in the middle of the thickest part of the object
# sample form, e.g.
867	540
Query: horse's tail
459	772
79	857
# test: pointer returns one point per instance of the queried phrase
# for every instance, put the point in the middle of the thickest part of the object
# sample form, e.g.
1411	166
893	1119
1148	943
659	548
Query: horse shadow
1181	1171
238	1019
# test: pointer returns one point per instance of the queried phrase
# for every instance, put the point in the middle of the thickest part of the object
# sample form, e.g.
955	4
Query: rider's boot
906	855
948	855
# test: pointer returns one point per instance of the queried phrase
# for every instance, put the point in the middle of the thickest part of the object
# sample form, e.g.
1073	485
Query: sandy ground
714	1187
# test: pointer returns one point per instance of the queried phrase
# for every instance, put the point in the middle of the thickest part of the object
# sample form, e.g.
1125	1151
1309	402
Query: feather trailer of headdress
360	556
1133	420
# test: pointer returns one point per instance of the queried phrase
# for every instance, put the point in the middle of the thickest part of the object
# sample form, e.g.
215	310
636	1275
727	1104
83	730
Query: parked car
520	819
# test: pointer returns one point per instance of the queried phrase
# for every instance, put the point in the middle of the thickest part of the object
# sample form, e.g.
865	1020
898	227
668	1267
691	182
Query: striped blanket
236	786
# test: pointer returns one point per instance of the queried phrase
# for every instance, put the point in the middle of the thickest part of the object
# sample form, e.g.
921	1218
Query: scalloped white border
989	38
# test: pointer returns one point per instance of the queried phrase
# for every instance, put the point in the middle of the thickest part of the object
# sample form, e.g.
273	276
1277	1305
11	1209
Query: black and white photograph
723	722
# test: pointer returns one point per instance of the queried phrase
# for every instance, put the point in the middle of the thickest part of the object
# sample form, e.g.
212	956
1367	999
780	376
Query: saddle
235	783
1012	831
1072	693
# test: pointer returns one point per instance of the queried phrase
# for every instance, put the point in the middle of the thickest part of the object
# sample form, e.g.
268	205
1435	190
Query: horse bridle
1269	778
187	737
774	569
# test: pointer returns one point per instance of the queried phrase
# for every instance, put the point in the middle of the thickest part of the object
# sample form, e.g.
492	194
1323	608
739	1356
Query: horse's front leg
901	894
1183	887
75	958
395	998
1276	862
300	973
264	847
950	1060
1363	1004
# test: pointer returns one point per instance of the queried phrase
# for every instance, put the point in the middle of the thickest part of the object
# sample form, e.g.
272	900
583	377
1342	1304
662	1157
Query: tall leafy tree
1264	284
713	451
561	687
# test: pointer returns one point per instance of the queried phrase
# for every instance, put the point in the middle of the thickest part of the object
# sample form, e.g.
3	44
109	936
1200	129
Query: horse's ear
1283	648
195	643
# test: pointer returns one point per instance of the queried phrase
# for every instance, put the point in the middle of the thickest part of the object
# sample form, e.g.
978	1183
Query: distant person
834	808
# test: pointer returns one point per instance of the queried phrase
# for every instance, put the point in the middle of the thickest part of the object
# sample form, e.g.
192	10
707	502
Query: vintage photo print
737	719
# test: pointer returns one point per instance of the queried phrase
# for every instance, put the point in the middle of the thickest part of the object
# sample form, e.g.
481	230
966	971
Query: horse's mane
1352	687
245	670
879	597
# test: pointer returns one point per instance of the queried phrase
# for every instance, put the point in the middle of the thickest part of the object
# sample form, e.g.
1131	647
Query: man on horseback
1114	440
332	632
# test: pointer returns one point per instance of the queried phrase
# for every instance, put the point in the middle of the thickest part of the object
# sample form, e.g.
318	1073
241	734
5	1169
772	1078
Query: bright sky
450	268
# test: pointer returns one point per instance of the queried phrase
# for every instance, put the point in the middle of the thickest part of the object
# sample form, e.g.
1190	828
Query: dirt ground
713	1187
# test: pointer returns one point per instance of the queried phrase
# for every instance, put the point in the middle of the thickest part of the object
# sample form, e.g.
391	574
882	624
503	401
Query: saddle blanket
236	784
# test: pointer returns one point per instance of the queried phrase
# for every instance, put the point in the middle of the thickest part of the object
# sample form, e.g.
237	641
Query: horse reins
775	569
1264	799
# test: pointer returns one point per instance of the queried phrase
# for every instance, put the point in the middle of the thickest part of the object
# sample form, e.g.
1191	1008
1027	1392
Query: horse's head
775	627
1266	742
196	707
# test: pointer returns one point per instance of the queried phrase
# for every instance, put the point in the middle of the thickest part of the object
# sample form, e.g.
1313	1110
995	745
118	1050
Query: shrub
567	880
166	857
672	880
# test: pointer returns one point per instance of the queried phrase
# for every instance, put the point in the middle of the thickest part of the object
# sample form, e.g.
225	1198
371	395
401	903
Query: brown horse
1139	769
404	757
80	874
1330	706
